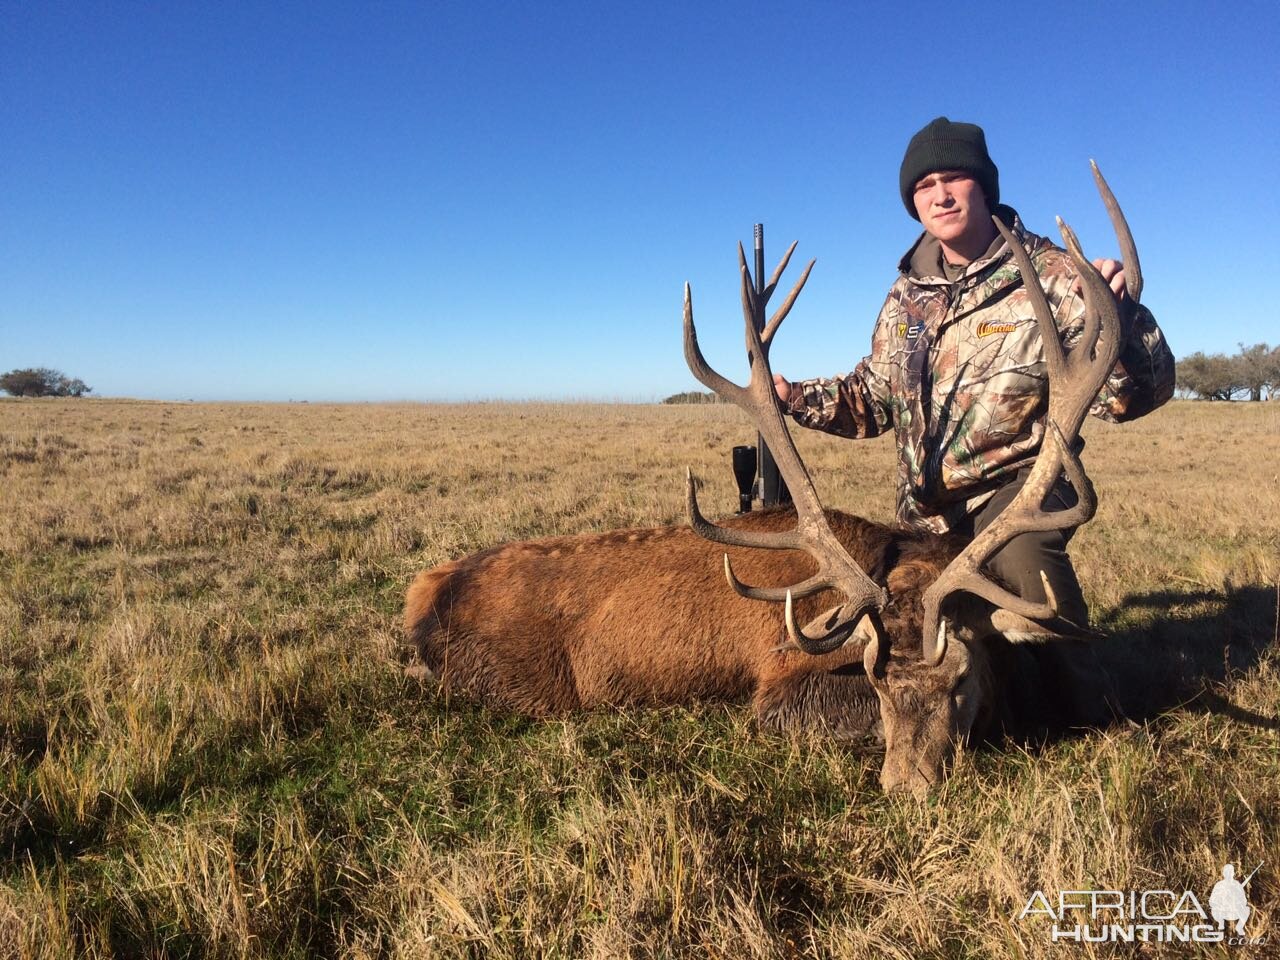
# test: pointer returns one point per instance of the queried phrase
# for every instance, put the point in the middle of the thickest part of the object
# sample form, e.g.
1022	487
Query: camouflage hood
957	372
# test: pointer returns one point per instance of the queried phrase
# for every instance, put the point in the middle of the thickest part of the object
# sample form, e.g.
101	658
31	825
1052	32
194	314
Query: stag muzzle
926	712
916	767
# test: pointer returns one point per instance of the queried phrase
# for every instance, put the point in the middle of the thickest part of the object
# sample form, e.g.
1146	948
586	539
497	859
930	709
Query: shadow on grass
1167	649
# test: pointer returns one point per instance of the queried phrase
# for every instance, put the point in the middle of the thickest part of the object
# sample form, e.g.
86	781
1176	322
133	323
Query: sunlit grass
208	747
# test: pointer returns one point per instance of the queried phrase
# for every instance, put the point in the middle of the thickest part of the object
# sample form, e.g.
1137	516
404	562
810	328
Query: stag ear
970	618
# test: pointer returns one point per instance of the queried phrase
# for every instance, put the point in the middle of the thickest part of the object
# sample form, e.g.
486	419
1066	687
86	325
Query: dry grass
207	747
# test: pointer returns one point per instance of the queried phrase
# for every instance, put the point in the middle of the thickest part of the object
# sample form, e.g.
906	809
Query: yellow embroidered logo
986	328
902	329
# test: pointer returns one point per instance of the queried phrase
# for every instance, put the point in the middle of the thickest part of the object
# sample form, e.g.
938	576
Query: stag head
924	656
926	710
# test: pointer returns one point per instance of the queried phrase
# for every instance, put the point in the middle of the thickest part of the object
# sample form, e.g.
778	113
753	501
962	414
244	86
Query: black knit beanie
943	145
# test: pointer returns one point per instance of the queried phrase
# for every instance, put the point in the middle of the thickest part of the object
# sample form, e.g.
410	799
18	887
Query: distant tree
1255	371
1265	364
1213	377
693	396
31	382
42	382
73	387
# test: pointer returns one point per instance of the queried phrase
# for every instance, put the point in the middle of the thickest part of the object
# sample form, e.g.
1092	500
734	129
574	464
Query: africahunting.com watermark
1148	916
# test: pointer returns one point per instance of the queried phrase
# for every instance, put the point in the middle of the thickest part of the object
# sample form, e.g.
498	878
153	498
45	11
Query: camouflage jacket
957	371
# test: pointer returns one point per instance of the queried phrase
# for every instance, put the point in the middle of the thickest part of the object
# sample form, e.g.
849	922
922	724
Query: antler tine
1096	353
738	395
698	363
1092	319
776	320
750	305
839	630
836	569
1124	237
1054	357
777	273
1074	382
804	588
779	540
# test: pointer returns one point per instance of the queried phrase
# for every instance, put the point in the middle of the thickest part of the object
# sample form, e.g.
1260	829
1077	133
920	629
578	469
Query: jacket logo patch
911	332
986	328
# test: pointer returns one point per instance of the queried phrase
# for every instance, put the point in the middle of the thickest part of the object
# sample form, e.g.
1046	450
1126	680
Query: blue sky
454	201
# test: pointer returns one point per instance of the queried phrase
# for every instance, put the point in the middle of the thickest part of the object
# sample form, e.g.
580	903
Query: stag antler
836	568
1074	382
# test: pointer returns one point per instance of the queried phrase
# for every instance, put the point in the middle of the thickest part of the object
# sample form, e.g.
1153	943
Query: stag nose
903	781
917	787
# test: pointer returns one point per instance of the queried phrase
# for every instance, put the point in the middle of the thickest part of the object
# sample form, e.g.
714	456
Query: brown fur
645	616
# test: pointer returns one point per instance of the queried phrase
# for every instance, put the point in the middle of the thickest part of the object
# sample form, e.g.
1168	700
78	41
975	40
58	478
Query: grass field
208	746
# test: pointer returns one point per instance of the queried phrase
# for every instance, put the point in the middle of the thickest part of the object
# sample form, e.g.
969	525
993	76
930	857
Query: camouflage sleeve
1144	375
1143	378
854	405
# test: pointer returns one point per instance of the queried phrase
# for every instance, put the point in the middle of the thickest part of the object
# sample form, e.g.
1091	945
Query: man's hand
782	387
1113	272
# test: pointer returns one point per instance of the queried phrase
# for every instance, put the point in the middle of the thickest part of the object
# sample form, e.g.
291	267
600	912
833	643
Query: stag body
643	616
548	627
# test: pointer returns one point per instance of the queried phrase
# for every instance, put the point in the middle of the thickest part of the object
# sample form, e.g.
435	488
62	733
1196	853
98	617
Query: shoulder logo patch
986	328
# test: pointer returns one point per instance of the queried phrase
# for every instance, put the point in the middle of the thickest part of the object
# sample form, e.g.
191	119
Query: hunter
956	369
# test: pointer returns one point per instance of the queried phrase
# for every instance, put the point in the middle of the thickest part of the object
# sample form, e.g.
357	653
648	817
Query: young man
956	369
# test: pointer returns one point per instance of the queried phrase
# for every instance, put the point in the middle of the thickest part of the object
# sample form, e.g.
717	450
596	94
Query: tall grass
208	746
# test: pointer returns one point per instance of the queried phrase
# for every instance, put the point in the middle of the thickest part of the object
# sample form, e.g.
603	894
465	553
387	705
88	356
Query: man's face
951	205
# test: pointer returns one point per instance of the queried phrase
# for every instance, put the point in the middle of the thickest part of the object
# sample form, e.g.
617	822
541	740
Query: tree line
694	396
1246	375
42	382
